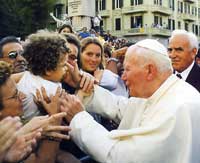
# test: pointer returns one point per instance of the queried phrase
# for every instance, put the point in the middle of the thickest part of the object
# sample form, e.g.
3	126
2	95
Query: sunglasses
14	54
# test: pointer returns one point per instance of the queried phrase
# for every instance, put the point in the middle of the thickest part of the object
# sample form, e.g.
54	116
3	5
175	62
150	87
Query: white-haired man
182	49
158	124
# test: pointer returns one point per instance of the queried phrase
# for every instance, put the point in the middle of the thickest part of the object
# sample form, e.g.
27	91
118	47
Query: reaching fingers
44	95
57	135
57	128
56	117
7	123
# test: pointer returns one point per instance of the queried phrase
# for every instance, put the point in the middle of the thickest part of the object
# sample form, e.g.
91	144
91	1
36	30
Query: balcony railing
104	13
160	32
135	9
147	31
136	31
161	9
188	17
117	33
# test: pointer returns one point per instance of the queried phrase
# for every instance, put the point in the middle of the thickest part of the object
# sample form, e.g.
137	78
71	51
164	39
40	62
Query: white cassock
161	129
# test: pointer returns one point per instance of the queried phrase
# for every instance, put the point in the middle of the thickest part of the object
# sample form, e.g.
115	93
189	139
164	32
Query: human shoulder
17	77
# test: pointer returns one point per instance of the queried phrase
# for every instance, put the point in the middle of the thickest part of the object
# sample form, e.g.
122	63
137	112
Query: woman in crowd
17	141
91	61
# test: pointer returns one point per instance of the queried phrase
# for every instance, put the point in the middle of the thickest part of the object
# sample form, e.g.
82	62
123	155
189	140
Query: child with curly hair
46	53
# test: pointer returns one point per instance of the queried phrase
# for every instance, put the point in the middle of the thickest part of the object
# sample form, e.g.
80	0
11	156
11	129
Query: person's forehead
179	40
13	46
73	48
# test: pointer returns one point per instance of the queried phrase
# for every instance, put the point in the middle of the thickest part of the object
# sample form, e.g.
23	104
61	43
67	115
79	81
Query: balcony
104	13
147	31
161	10
135	9
160	32
118	33
188	17
136	32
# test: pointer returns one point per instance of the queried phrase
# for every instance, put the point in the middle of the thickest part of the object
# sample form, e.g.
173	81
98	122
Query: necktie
179	76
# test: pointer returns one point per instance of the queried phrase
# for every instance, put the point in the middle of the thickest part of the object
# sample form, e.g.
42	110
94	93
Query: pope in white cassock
159	123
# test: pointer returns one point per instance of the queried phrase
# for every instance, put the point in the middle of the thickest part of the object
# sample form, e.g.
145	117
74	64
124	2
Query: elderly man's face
134	74
12	54
180	53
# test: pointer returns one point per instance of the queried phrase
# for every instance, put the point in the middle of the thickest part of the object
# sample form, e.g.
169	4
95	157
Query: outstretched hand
50	104
72	105
78	78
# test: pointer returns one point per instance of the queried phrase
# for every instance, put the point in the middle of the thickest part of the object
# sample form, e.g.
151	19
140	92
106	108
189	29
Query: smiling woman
91	57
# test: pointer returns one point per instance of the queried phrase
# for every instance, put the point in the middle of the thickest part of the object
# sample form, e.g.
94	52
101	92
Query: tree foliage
22	17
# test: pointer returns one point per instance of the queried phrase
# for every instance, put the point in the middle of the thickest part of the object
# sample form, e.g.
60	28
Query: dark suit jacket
194	77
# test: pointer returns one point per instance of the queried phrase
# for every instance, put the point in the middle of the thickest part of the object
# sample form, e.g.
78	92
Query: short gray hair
192	38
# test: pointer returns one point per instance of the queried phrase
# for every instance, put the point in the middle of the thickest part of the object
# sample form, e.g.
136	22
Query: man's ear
151	71
194	52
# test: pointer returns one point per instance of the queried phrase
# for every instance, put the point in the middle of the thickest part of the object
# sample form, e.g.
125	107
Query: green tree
22	17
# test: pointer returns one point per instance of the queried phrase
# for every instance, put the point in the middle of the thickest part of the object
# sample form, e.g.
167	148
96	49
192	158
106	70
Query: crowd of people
90	97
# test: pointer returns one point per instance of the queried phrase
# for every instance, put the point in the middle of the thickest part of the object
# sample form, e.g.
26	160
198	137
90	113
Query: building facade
139	19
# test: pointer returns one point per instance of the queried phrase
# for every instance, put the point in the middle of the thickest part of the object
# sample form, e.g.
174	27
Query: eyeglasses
14	54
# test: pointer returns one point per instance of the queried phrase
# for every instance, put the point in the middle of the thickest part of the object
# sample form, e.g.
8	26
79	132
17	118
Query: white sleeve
106	103
109	80
88	135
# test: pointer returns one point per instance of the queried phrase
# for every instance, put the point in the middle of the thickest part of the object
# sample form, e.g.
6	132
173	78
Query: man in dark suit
182	49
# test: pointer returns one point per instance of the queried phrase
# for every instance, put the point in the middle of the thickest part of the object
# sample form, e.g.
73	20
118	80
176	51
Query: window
136	2
171	24
117	24
158	2
102	4
139	22
58	11
133	25
136	22
96	6
181	7
132	2
198	12
140	2
196	29
186	26
117	4
113	4
156	20
171	4
193	28
179	25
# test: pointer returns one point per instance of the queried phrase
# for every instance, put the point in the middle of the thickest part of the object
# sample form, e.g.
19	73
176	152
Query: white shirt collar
186	72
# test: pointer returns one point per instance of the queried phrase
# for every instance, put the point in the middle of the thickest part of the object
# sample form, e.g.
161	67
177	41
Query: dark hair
5	72
107	50
65	26
73	39
6	40
43	51
92	40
